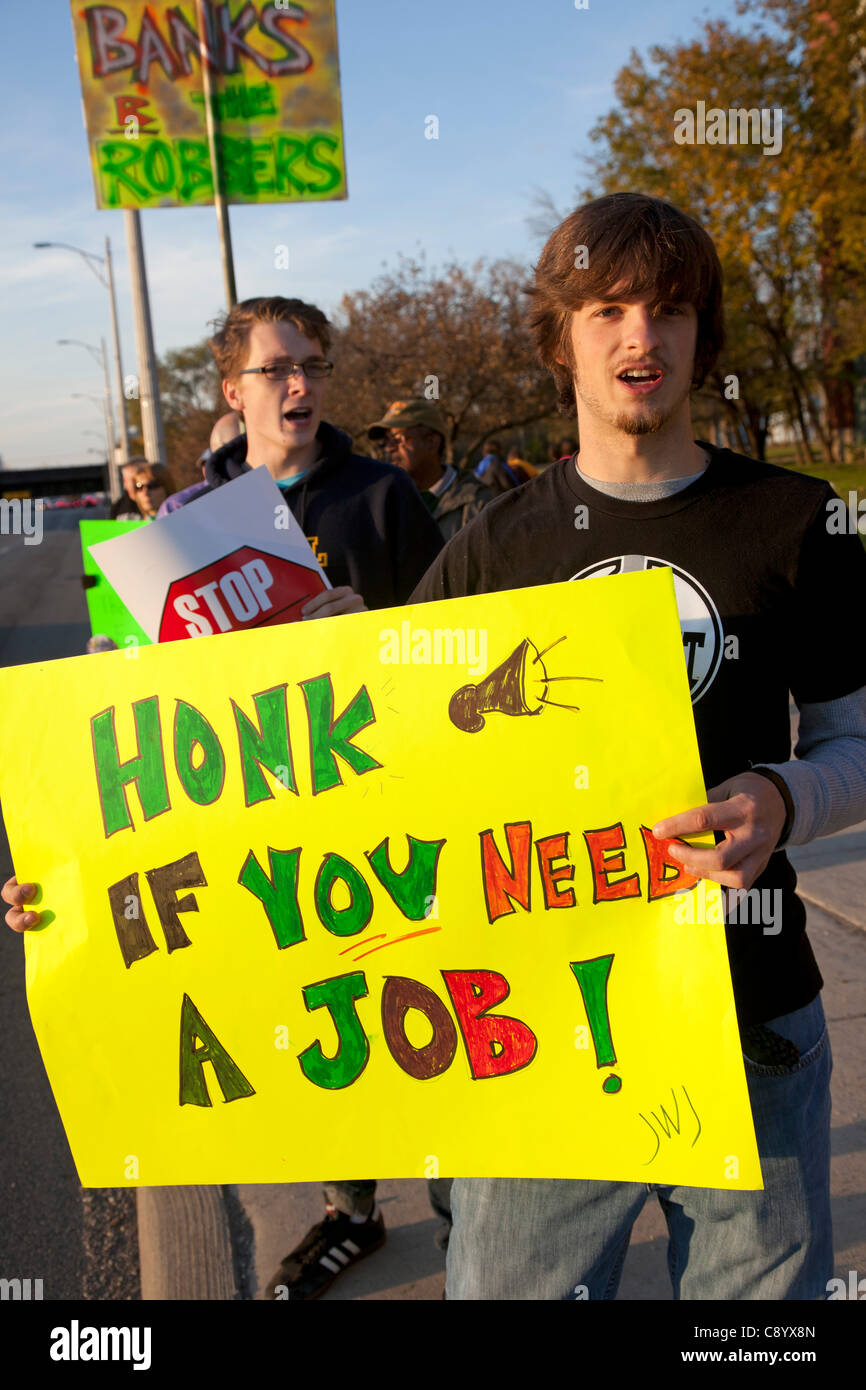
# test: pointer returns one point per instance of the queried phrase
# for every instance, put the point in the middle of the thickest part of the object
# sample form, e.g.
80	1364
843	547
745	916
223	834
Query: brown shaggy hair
230	342
635	245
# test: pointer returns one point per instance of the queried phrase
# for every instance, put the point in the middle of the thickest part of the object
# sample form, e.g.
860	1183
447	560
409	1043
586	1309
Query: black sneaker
326	1250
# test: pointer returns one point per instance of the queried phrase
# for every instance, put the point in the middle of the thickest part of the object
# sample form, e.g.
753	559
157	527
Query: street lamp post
84	396
119	455
118	368
151	415
100	355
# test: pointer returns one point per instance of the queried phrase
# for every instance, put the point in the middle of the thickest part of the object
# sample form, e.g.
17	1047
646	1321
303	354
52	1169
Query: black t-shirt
770	601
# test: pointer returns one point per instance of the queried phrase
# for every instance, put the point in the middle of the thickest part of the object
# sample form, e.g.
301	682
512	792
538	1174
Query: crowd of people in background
411	435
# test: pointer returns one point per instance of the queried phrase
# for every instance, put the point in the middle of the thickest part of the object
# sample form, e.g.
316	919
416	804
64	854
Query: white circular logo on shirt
703	636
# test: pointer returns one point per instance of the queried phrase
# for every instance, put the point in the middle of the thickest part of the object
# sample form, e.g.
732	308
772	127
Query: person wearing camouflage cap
413	432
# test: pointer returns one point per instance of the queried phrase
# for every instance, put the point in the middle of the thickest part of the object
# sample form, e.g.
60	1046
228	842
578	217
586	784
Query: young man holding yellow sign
627	315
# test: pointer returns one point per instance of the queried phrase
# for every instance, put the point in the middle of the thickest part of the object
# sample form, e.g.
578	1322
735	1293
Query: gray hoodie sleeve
827	775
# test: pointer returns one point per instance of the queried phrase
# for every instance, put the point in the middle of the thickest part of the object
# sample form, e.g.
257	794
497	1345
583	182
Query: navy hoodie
364	519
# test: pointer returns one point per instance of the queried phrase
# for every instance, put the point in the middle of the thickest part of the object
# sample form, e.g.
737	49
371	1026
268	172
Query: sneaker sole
371	1250
323	1288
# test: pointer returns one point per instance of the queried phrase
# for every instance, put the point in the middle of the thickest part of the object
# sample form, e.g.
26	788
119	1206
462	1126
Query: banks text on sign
276	101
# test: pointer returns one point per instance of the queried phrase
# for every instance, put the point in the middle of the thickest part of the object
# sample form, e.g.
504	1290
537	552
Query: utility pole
122	455
148	385
220	204
116	458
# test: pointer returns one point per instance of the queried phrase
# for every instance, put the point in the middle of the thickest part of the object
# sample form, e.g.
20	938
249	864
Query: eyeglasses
314	367
151	487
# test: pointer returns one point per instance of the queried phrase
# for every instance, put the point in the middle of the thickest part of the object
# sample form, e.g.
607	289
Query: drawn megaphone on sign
519	685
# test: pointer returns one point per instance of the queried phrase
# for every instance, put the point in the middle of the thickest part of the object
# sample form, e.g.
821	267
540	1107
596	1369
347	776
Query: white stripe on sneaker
338	1254
352	1248
329	1264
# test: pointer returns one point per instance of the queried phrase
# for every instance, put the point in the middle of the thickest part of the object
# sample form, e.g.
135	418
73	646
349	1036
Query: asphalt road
79	1245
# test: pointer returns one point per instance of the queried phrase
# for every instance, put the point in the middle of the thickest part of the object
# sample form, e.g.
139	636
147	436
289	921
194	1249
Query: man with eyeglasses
413	433
374	537
370	530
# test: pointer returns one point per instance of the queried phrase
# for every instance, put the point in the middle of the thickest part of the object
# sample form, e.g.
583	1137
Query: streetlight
84	396
107	282
100	356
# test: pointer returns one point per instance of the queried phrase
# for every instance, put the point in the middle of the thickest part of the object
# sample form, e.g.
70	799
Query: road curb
185	1244
812	901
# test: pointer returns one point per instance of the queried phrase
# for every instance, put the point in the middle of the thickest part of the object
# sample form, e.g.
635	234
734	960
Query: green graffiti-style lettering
235	160
115	159
158	167
329	736
288	149
277	892
338	995
202	782
331	170
146	770
349	920
262	163
266	746
195	168
414	888
193	1088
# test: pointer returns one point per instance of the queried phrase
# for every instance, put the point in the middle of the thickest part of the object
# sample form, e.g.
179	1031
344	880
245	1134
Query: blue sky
516	88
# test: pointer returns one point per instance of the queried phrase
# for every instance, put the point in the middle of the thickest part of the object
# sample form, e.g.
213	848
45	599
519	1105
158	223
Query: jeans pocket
794	1068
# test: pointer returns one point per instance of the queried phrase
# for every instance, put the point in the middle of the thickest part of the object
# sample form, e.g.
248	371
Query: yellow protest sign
378	895
276	101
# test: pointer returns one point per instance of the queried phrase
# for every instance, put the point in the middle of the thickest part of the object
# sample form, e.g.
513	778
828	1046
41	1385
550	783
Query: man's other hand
18	894
750	812
331	602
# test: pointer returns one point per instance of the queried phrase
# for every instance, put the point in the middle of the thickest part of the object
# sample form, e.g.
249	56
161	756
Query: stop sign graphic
245	589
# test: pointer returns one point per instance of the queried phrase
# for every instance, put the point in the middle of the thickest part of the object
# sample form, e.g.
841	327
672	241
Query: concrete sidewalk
264	1222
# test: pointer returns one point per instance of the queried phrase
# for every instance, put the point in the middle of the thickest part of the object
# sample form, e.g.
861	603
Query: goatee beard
647	423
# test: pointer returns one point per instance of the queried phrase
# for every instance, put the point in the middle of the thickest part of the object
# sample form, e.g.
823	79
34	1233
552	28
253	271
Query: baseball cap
413	411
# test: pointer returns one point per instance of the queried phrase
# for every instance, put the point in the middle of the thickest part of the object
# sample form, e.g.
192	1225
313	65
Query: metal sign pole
113	470
148	386
123	418
220	204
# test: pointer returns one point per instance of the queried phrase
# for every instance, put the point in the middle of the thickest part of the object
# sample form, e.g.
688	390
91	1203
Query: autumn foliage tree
192	402
790	227
455	335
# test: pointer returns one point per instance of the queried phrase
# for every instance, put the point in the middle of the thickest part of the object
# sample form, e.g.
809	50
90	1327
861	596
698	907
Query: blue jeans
522	1238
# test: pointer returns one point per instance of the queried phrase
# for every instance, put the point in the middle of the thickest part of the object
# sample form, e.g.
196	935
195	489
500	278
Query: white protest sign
233	560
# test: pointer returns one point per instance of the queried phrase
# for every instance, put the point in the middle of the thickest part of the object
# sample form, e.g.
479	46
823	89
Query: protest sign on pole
237	559
275	102
107	612
378	894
